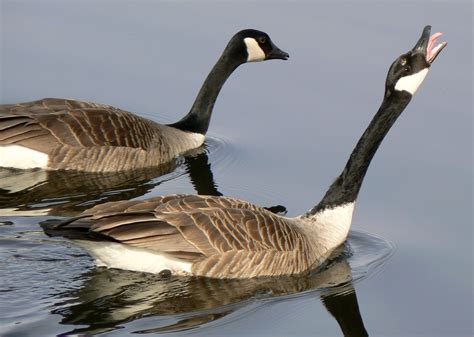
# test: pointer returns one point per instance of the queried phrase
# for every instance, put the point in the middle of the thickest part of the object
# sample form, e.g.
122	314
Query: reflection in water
200	173
345	309
109	298
68	193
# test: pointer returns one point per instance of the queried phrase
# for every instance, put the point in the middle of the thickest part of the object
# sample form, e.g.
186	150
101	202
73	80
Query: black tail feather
56	228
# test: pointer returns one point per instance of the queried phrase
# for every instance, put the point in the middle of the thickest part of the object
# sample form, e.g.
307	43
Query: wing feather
212	230
74	123
141	229
222	236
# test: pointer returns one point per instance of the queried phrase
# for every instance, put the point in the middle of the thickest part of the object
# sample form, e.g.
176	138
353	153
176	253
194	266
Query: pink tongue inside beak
431	43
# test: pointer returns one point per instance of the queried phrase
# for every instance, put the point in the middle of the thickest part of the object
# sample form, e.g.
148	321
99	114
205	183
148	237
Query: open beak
426	45
277	53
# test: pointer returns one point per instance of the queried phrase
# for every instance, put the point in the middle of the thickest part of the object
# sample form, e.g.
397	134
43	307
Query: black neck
346	187
197	120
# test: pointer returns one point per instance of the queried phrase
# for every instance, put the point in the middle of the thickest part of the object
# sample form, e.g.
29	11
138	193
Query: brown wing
213	231
42	125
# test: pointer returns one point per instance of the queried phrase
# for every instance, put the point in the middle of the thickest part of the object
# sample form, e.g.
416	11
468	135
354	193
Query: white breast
181	141
21	157
330	227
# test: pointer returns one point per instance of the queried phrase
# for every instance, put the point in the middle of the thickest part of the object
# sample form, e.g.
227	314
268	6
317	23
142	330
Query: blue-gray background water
280	133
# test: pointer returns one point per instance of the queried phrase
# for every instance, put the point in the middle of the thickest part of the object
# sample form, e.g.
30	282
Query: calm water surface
281	132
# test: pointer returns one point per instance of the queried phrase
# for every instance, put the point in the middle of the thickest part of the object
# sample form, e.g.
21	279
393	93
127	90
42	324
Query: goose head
250	45
410	69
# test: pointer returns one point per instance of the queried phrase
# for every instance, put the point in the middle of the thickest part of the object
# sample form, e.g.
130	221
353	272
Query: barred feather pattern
222	237
91	137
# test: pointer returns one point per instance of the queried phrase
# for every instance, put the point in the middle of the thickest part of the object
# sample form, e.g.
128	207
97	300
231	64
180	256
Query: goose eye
406	69
262	39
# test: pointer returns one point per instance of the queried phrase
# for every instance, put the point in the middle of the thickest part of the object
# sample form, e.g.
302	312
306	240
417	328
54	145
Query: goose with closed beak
222	237
67	134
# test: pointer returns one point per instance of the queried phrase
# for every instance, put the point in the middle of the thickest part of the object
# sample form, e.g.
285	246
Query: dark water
280	133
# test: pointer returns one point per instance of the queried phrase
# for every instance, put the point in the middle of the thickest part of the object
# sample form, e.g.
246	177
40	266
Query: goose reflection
109	298
68	193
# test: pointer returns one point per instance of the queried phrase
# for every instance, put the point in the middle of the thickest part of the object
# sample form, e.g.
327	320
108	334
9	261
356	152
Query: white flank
120	256
255	53
412	82
20	157
331	226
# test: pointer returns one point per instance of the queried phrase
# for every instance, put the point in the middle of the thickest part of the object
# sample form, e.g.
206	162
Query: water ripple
65	193
103	300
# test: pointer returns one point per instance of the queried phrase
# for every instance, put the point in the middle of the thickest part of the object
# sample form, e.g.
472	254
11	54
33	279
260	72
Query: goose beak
426	45
277	53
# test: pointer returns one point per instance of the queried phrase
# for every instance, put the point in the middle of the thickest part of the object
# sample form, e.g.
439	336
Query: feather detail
91	137
222	237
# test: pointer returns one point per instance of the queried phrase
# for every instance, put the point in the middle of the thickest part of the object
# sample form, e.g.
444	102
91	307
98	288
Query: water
97	300
62	286
280	133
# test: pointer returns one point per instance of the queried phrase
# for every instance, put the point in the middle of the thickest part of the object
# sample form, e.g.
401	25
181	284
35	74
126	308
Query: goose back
219	237
91	137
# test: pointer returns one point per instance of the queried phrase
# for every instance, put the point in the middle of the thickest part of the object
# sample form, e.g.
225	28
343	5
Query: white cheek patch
22	157
412	82
253	50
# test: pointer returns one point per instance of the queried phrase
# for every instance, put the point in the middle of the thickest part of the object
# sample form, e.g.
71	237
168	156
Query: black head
409	70
253	45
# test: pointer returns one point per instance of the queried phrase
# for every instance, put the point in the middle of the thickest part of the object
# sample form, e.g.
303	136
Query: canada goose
222	237
66	134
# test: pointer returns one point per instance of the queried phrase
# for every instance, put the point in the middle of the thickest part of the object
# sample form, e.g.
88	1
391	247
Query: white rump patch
255	53
21	157
121	256
412	82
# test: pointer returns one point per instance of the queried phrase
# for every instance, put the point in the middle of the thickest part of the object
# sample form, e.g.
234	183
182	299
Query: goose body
56	134
68	134
206	236
222	237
